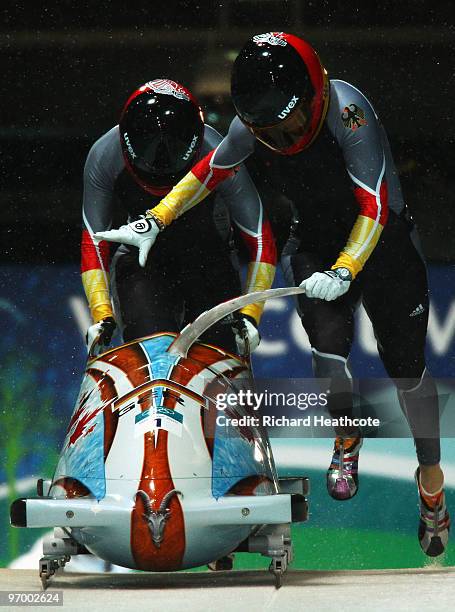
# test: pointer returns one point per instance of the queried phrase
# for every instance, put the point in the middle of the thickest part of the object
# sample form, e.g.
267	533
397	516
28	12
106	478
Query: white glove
246	336
99	335
141	234
328	285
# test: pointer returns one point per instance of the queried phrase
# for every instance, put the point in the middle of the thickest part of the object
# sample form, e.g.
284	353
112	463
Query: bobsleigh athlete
160	136
352	238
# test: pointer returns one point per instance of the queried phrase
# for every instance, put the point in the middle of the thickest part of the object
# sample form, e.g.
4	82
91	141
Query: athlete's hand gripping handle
247	335
328	285
99	336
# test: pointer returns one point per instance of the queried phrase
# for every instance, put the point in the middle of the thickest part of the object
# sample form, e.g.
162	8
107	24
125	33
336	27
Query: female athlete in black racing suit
160	136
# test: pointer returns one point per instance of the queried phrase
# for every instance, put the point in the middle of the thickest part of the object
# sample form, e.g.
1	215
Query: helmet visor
167	158
285	135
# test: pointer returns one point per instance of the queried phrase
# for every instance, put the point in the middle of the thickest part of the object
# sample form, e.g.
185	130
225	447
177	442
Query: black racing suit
349	212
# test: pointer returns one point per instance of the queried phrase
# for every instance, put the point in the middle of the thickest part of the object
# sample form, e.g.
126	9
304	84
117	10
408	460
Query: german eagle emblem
353	117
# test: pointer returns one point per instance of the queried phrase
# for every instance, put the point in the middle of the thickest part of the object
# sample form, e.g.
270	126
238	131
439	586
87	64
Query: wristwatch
160	225
344	274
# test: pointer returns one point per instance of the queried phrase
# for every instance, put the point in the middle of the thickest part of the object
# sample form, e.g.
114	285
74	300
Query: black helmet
280	91
161	132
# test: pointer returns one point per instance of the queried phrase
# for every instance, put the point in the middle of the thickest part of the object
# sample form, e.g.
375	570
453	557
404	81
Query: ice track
432	588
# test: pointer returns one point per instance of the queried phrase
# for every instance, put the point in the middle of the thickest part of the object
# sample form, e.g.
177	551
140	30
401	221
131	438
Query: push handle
194	330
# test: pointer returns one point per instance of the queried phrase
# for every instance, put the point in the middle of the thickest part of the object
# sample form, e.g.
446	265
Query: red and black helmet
280	91
161	133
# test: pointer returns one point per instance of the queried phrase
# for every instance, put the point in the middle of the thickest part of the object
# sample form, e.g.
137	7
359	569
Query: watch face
344	274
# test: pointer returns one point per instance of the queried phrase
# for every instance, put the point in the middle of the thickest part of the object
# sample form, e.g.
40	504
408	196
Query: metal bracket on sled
57	550
298	488
48	566
274	541
43	487
295	484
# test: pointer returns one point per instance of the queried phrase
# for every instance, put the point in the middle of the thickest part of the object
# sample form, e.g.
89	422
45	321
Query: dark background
67	68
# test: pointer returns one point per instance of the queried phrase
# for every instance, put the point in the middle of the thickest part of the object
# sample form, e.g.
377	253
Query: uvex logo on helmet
285	112
191	147
128	146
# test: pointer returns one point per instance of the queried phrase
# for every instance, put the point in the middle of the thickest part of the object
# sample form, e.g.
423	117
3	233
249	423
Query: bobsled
147	478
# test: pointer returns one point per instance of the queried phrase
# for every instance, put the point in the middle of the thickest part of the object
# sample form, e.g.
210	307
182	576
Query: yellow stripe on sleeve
96	287
186	194
362	240
259	278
